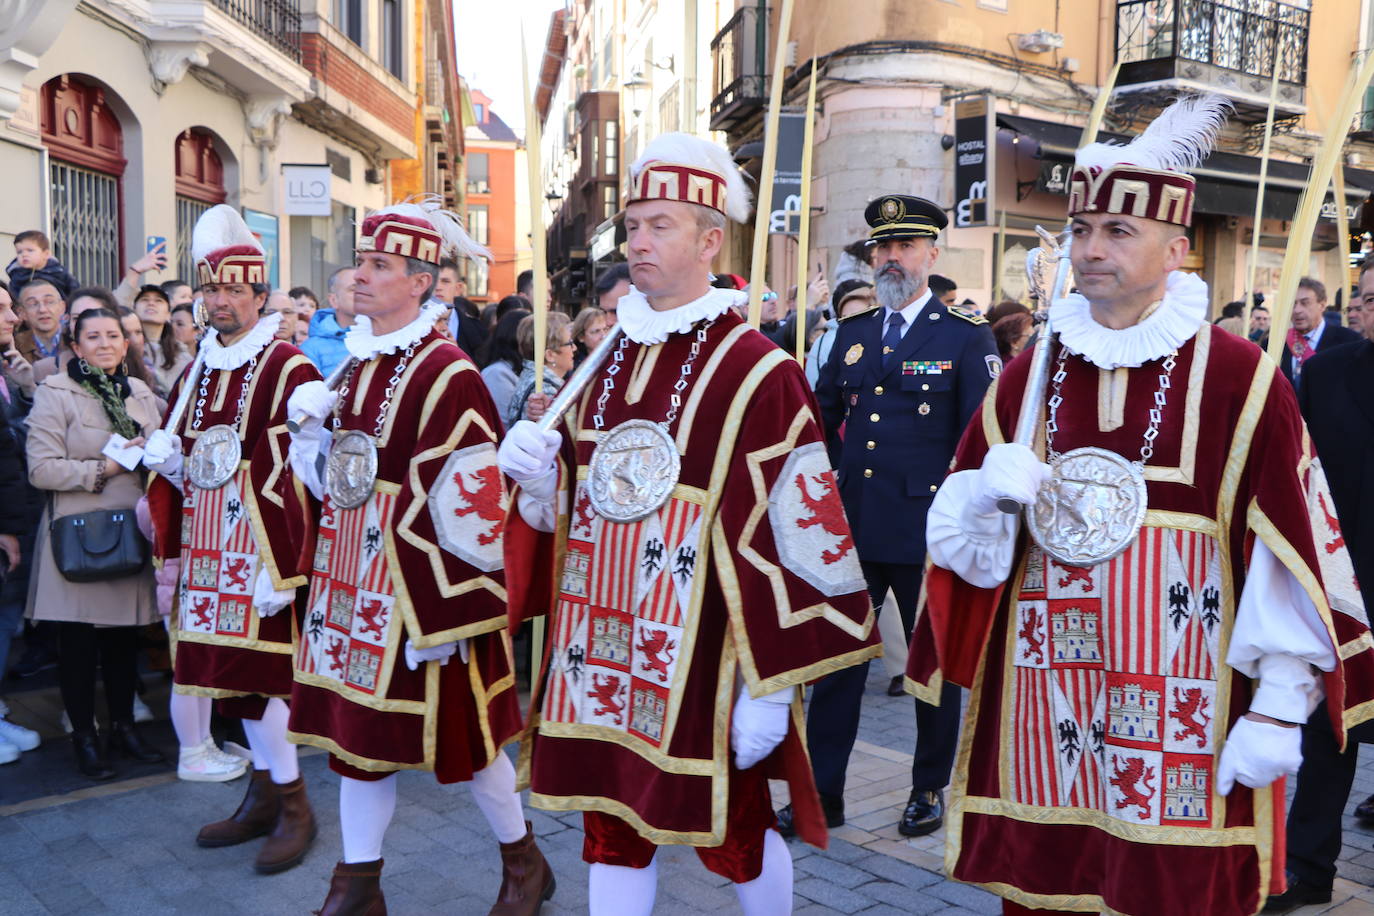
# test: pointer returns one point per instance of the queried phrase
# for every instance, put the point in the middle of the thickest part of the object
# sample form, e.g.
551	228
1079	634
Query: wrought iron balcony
278	22
738	53
1229	46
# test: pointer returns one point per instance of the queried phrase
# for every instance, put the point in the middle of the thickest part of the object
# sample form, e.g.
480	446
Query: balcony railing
1212	41
738	53
278	22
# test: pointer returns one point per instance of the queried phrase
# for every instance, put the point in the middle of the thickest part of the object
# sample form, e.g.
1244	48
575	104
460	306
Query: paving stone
833	896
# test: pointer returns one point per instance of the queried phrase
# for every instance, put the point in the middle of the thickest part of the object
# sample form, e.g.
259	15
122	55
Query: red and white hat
1148	177
419	229
677	166
225	249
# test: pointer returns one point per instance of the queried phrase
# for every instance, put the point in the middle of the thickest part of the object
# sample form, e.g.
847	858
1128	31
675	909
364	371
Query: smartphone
154	241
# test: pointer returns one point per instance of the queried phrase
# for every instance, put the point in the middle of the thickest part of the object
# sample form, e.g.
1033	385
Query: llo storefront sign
785	217
974	142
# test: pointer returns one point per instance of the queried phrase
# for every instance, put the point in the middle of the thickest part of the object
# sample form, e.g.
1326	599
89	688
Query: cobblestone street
127	847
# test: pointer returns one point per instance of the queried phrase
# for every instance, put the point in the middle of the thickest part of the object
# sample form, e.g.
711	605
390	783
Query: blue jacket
902	423
324	346
53	272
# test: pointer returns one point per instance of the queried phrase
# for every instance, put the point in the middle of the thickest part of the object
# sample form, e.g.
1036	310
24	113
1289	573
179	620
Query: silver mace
1037	263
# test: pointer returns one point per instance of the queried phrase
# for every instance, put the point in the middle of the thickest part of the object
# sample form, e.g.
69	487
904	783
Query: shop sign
975	139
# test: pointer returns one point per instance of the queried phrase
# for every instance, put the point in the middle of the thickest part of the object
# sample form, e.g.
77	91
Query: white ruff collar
1180	314
644	325
362	344
218	356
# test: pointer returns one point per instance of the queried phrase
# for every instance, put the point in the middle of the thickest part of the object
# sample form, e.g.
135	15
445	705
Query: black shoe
831	807
124	737
925	813
35	660
894	689
90	760
1299	893
1365	809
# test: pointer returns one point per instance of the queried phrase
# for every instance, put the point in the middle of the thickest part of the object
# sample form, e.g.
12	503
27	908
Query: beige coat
67	430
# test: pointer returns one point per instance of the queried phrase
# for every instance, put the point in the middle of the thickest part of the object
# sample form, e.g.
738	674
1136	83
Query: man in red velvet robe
704	566
221	507
1132	715
403	661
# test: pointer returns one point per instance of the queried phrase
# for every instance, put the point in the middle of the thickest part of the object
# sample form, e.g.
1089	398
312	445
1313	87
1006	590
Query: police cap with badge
901	216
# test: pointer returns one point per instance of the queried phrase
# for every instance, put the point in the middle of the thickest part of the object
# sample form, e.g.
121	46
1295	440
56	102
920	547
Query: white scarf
219	356
644	325
362	344
1180	314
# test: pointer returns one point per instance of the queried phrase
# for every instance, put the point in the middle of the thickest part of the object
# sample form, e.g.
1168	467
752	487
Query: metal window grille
1244	35
188	212
85	208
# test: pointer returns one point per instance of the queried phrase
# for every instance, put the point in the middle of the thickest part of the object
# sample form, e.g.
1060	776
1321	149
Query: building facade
123	120
495	172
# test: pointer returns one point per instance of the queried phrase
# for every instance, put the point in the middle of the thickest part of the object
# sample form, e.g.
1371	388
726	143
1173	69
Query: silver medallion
215	457
1090	509
633	471
351	471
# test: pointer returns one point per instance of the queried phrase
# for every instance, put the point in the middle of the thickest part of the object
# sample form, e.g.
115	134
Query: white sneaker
4	709
66	722
234	749
141	711
26	739
225	758
8	752
197	765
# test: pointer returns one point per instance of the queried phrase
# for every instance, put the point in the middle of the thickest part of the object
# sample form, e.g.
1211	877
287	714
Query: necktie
892	338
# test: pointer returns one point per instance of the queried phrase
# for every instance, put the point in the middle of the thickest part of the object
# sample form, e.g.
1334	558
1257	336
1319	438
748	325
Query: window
612	148
477	276
189	211
393	56
348	18
477	223
610	202
479	111
479	176
607	60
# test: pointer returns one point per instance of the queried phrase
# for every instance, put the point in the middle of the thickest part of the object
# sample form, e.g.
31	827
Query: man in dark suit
1310	333
1336	395
903	380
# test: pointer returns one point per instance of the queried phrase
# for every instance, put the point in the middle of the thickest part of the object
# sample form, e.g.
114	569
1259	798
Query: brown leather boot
526	879
254	818
292	834
355	890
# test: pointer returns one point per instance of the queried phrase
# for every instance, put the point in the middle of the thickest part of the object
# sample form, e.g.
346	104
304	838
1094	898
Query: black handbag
98	546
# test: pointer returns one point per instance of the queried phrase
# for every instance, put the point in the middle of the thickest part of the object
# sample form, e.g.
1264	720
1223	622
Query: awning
1229	180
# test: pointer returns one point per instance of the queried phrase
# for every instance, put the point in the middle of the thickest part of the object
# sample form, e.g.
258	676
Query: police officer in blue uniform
900	385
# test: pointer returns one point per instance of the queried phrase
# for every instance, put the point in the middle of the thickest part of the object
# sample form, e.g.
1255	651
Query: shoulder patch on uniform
994	364
961	312
867	311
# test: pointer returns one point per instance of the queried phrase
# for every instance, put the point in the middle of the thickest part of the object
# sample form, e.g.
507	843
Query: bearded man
902	381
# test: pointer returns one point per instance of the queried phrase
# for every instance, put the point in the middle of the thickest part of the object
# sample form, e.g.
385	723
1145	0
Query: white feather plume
1178	140
686	149
429	207
220	227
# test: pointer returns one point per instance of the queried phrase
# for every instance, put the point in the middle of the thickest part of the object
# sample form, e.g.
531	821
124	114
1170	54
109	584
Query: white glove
526	452
759	725
1257	753
162	453
440	653
312	402
1009	470
269	600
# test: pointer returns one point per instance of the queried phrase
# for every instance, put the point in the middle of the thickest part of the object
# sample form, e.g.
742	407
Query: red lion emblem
827	512
1333	525
485	501
1027	632
1125	780
237	572
203	609
373	613
1190	709
584	511
1082	574
605	691
654	643
335	652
